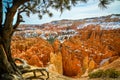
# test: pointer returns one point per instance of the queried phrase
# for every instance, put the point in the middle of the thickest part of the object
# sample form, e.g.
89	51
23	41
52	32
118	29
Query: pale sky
83	10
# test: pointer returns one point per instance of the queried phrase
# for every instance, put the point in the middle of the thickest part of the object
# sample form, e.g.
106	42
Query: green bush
109	73
51	39
96	74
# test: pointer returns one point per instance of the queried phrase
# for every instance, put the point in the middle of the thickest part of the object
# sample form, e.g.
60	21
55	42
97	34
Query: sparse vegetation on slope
109	73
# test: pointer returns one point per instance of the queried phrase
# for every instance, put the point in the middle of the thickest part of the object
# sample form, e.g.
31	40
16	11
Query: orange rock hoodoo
90	49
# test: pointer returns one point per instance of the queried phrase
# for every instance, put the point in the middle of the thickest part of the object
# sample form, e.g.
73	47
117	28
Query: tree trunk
8	68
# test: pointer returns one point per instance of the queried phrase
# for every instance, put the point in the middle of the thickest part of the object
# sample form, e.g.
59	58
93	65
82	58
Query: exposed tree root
25	68
43	73
23	64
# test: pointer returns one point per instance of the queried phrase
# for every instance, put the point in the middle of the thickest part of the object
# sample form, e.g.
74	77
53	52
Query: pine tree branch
8	27
19	20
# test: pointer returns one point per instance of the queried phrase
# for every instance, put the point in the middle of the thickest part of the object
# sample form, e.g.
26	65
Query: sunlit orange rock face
91	48
56	57
56	46
71	57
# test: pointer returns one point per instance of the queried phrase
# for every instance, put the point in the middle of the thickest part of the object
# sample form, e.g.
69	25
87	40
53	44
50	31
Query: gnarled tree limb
43	72
25	68
24	64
